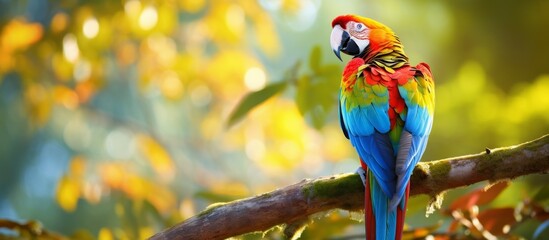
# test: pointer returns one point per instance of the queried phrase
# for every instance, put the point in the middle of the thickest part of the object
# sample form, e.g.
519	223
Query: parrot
386	109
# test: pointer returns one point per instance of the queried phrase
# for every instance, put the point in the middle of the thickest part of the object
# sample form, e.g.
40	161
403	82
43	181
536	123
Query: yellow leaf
226	70
226	22
161	198
105	234
136	187
146	232
158	157
275	163
283	137
68	191
235	189
18	34
291	6
167	17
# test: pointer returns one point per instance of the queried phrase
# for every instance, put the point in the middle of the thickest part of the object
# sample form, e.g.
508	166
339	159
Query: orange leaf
494	220
77	167
421	232
478	197
454	225
113	175
65	96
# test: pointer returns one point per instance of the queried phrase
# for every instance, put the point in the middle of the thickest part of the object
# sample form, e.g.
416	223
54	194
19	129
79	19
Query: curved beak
341	41
336	40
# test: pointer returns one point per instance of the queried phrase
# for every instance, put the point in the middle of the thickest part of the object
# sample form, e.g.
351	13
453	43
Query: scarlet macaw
386	110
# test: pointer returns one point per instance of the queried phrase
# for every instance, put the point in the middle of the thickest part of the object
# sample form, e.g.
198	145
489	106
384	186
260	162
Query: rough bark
293	204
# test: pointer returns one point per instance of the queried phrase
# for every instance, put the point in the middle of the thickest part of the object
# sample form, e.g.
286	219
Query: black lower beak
338	54
348	45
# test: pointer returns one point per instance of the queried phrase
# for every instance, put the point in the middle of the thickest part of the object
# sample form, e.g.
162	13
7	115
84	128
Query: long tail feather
382	222
401	213
369	220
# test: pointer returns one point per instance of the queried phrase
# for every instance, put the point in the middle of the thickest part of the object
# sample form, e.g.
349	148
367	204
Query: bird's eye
359	26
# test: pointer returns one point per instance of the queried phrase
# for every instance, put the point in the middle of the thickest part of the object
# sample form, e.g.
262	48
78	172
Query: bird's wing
419	95
365	121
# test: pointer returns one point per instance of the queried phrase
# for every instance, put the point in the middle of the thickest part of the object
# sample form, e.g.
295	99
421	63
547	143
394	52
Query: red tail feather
401	214
369	218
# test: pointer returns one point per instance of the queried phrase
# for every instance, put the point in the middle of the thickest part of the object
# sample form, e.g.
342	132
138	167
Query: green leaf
331	71
253	99
542	194
314	58
318	116
302	94
316	97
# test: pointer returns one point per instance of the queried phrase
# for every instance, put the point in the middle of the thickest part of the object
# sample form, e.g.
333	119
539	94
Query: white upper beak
335	40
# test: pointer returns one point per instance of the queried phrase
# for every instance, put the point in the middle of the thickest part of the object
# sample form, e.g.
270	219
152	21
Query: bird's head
358	36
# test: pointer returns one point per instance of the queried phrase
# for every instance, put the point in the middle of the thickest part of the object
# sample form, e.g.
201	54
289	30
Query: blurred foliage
313	91
114	114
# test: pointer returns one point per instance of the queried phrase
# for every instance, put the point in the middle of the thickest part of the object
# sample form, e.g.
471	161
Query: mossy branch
295	203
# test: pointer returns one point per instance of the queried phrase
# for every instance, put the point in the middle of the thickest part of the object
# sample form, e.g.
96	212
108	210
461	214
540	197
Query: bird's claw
362	175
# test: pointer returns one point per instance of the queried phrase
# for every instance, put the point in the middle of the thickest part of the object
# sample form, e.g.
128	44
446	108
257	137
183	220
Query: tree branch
293	204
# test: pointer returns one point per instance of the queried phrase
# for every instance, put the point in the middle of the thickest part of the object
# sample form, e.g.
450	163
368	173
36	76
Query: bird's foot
362	175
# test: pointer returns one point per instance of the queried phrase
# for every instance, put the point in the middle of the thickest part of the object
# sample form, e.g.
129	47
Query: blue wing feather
377	153
414	137
372	144
378	117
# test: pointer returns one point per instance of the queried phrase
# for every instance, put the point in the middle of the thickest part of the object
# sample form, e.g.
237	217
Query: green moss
265	195
437	170
211	207
489	163
333	187
440	170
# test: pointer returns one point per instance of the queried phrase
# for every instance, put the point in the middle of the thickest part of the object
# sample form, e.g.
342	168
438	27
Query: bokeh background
114	114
